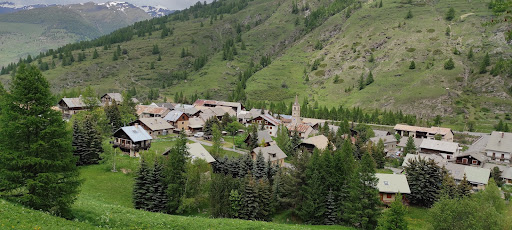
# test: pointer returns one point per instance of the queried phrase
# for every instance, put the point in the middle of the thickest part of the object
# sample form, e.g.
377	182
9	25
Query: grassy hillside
341	42
37	30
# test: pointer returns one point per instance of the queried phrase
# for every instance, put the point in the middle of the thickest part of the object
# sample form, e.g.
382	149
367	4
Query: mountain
157	11
9	7
272	50
41	28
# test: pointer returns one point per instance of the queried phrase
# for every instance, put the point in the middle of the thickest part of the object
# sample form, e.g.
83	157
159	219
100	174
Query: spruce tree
78	142
175	173
253	139
36	158
159	198
425	178
379	155
250	205
95	54
312	209
344	168
142	182
409	15
246	165
330	209
92	139
412	65
260	168
448	187
464	187
366	213
394	218
410	147
264	200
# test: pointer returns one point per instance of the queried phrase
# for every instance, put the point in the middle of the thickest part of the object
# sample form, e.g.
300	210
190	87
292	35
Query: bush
412	65
449	65
450	15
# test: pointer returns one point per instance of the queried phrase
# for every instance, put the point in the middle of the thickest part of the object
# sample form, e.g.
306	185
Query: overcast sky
170	4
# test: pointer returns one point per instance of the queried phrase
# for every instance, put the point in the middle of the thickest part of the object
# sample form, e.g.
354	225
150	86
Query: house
477	177
304	130
269	123
235	106
178	119
154	126
244	117
443	148
271	153
403	143
110	97
196	151
190	110
71	106
170	106
470	158
439	160
499	147
506	171
263	137
424	133
380	133
390	185
320	142
313	122
389	141
145	111
195	124
132	139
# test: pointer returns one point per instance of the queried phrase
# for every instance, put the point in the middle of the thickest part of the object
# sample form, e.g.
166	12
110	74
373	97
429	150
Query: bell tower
296	112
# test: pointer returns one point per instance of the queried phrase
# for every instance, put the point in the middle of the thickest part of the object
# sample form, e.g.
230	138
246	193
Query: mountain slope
321	31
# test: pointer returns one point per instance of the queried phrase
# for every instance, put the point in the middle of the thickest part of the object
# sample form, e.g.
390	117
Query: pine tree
449	65
115	57
330	209
424	179
464	187
410	147
37	166
216	138
361	82
260	168
380	4
250	205
379	155
409	15
394	218
367	212
253	139
142	182
175	174
412	65
312	208
264	200
113	115
155	49
159	198
235	199
450	15
448	187
369	80
92	139
470	54
78	142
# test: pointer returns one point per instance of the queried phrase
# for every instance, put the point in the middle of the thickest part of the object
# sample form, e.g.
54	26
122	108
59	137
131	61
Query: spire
296	99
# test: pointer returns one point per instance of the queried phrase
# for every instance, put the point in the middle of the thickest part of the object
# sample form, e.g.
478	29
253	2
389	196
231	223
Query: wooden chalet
178	119
470	159
154	126
269	122
132	139
71	106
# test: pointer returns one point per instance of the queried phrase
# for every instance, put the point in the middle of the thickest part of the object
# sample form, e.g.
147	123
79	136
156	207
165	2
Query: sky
170	4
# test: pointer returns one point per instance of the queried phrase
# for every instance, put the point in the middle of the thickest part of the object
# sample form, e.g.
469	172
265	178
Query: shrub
449	65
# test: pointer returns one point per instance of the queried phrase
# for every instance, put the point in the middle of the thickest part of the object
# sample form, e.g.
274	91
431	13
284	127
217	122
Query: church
296	124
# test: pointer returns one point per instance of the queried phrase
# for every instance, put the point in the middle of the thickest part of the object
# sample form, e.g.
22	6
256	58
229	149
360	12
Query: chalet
439	160
471	158
389	141
71	106
244	117
390	185
380	133
269	123
304	130
263	137
190	110
271	153
235	106
154	126
313	122
110	97
132	139
477	177
145	111
196	151
499	147
320	142
424	133
195	124
179	120
403	143
506	171
443	148
170	106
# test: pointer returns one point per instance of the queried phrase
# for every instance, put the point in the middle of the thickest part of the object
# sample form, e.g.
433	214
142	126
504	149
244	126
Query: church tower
296	112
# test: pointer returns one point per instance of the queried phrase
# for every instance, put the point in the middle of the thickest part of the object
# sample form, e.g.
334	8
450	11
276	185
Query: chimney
502	134
136	125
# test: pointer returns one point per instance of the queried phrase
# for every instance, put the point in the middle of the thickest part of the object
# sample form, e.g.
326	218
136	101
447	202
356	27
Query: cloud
170	4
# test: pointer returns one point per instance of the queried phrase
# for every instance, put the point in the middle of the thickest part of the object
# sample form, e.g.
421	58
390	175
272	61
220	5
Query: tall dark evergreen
330	209
366	196
142	183
176	166
113	115
312	209
36	158
92	139
424	179
250	205
159	196
260	167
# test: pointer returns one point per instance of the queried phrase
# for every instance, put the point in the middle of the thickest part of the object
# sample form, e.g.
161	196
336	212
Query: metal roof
195	122
392	183
155	123
173	115
473	174
270	119
444	146
500	141
149	109
320	141
272	152
114	96
75	102
197	150
385	139
136	133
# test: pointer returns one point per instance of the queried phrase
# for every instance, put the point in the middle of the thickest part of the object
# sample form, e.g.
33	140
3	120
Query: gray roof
392	183
166	105
473	174
195	123
272	152
506	171
155	123
75	102
188	109
500	141
438	159
264	135
136	133
173	115
417	142
114	96
197	150
380	133
385	139
479	156
320	142
444	146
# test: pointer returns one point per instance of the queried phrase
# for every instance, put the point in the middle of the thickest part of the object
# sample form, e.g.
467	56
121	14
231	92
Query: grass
417	218
385	171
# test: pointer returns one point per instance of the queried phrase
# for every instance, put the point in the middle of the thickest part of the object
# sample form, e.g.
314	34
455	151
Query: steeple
296	100
296	111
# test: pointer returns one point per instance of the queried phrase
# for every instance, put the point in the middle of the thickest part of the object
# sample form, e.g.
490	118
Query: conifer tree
330	209
235	199
92	139
216	138
264	200
379	155
253	139
464	187
175	173
115	57
448	187
424	179
312	209
394	218
410	147
412	65
470	54
250	205
367	212
159	198
140	186
246	165
37	166
380	4
95	54
78	142
344	168
409	15
260	168
450	14
369	80
361	82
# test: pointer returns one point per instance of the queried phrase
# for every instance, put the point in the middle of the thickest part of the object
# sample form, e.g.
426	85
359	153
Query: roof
197	150
188	109
444	146
173	115
195	123
438	159
228	110
473	174
478	156
301	128
385	139
202	102
75	102
166	105
244	115
432	130
262	135
207	114
440	130
320	141
270	119
506	171
500	141
149	109
417	142
155	123
392	183
114	96
272	152
380	133
136	133
312	121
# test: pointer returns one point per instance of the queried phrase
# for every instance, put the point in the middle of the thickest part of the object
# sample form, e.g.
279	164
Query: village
476	162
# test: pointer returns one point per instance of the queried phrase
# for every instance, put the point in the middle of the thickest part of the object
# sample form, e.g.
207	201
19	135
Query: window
389	196
270	133
464	160
449	157
182	122
474	162
502	155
